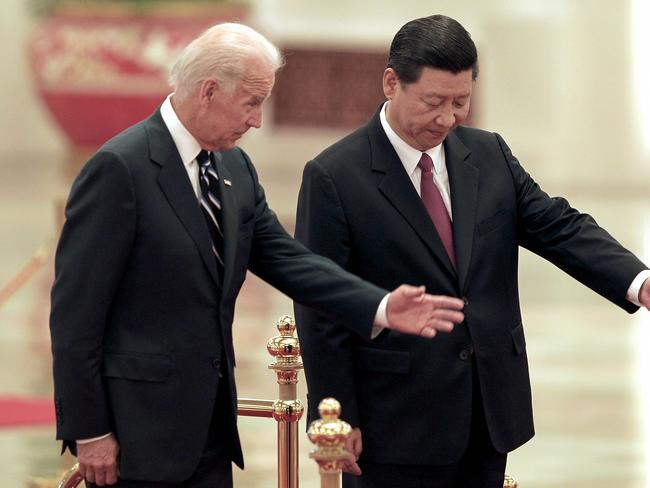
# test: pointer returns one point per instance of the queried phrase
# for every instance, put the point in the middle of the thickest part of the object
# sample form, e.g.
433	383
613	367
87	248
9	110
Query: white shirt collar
188	147
408	154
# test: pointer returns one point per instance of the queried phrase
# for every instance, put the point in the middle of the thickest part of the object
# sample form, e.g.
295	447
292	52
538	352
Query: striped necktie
211	203
435	206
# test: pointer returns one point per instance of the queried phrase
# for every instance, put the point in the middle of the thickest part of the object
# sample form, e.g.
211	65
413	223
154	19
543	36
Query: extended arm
573	241
319	283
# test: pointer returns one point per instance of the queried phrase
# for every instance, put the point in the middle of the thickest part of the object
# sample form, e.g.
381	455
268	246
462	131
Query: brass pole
329	434
287	410
251	407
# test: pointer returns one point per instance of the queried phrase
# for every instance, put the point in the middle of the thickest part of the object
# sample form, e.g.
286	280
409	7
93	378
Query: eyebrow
443	97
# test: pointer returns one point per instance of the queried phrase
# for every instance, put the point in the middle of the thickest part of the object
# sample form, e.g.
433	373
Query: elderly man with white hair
162	224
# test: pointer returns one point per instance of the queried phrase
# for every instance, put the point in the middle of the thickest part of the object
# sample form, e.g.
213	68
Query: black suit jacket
411	397
140	316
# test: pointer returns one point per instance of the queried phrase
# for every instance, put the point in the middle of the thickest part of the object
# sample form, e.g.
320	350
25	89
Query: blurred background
564	81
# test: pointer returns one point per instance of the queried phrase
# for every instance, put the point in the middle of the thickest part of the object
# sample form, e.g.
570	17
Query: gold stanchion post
329	433
287	410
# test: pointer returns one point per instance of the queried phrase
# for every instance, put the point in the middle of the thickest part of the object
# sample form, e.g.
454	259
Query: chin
227	146
428	144
436	141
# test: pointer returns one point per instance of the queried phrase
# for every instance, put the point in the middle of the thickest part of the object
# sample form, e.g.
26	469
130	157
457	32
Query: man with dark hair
414	196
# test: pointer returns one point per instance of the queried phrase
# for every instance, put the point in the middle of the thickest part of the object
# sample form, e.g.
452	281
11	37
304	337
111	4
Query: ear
390	83
209	90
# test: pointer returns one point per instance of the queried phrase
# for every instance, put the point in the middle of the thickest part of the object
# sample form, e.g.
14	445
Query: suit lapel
228	219
463	182
398	189
178	190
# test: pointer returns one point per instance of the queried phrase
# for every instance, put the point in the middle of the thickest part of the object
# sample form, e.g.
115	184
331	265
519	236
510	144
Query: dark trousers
480	467
215	467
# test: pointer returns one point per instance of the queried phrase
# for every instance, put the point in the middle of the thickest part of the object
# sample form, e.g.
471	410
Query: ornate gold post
329	434
287	410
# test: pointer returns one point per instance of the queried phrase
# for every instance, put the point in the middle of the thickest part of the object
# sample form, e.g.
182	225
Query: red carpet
23	411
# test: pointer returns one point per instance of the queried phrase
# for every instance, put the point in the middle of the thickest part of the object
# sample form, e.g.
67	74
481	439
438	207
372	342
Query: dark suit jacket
140	316
411	397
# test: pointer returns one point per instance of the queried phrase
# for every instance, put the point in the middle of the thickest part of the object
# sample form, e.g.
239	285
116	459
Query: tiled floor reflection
589	360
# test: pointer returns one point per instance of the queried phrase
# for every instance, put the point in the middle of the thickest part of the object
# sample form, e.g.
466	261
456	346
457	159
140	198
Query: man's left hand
354	446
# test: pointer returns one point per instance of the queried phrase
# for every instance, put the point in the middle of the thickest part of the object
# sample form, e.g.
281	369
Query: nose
255	119
446	118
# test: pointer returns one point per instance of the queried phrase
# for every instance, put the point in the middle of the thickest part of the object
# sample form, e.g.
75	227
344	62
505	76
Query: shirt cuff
381	318
88	441
633	291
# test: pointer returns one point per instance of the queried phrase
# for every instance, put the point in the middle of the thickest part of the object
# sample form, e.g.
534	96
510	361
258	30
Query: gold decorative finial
329	409
285	348
329	433
286	324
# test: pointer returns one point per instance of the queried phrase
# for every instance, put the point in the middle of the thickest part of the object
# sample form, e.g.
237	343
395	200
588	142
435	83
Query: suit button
463	355
216	363
465	301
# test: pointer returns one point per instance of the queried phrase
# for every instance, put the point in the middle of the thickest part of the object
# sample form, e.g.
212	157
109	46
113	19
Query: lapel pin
227	182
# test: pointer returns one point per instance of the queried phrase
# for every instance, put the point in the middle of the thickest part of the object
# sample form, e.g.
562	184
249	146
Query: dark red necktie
434	204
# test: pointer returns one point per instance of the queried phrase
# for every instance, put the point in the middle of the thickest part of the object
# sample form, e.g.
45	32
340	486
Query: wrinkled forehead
258	78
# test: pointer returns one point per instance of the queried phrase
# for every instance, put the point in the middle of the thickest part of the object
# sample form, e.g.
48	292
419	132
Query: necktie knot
203	159
425	163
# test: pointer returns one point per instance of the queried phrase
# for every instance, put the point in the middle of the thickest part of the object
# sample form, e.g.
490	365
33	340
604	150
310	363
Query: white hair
222	53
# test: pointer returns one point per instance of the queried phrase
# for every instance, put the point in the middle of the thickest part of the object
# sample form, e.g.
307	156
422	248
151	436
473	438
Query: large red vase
101	69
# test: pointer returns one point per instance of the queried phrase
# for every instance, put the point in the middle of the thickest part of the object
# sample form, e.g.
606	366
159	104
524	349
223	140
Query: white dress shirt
187	146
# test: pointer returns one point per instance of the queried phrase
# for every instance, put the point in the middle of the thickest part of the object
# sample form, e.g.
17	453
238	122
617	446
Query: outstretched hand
412	311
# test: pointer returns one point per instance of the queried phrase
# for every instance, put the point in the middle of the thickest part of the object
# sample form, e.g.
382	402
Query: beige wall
24	123
556	81
556	76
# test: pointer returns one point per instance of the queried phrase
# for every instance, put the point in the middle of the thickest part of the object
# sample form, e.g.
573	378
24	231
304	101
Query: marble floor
589	360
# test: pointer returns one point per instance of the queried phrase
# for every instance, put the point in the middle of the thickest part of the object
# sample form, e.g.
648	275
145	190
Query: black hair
436	41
